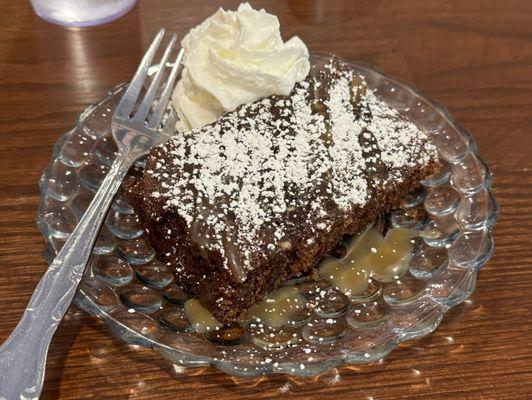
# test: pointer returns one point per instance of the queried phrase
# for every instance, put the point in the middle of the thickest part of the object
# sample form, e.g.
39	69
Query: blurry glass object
81	12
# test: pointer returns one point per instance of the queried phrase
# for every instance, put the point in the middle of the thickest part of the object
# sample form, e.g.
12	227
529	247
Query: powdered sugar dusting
348	163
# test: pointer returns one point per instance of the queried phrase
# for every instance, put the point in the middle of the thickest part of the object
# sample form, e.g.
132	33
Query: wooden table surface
474	56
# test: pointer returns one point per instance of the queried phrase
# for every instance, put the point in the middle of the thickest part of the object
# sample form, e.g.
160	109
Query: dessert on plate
277	158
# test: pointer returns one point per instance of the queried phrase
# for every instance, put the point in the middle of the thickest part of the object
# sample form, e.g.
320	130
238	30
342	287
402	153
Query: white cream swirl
232	58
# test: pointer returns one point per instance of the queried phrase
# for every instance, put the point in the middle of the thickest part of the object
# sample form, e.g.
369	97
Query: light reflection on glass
81	12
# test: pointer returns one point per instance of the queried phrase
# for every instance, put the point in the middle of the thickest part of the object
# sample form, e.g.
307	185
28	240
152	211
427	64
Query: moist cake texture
259	196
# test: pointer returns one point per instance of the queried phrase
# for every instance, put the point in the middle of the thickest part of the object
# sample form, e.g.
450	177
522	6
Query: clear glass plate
134	294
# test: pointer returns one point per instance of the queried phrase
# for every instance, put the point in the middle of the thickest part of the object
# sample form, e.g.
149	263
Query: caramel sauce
279	307
369	255
200	318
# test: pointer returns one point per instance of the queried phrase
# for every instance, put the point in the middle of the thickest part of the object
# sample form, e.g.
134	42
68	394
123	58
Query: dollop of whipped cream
233	58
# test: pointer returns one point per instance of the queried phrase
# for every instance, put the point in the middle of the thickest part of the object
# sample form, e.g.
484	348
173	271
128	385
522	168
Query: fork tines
126	110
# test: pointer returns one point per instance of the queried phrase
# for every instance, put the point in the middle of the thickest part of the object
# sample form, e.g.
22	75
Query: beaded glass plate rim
466	284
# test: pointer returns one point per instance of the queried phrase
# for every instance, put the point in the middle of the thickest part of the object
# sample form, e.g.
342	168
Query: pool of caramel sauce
369	255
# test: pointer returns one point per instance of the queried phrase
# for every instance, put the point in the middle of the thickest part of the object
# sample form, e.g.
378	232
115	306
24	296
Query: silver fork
23	354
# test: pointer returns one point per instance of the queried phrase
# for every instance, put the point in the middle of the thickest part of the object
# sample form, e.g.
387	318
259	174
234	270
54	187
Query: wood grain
474	56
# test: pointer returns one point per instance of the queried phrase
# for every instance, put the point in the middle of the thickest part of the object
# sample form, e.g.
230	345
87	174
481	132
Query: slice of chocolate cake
260	195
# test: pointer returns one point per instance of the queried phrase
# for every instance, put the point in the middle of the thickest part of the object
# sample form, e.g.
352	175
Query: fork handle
23	354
